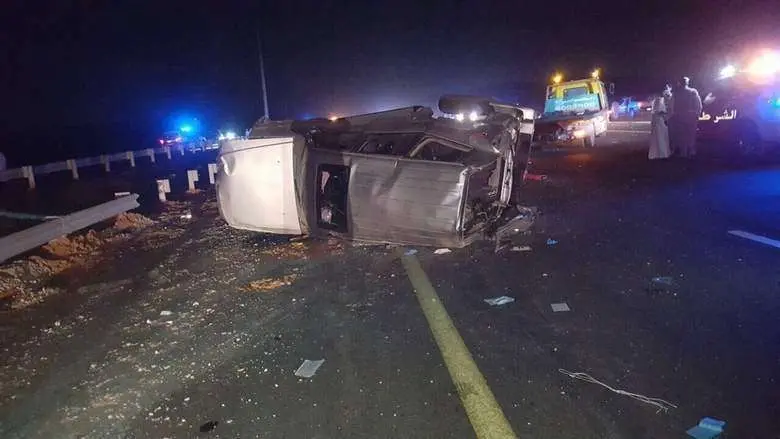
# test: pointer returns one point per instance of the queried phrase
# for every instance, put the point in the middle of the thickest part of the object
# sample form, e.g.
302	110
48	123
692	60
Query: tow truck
743	109
575	112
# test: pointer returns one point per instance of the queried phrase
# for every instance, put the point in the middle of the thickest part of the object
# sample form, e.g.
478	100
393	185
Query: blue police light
776	102
186	128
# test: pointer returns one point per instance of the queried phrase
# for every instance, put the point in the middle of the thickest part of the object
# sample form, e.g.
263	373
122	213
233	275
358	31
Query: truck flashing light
766	64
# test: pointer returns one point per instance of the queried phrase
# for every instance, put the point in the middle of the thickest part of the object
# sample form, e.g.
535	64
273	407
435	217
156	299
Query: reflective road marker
756	238
484	413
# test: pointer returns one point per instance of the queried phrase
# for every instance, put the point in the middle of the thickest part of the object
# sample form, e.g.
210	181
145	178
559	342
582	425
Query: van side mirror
611	88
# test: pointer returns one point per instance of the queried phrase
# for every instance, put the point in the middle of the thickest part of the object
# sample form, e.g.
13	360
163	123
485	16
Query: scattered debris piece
442	251
121	194
498	301
166	313
270	283
560	307
187	215
535	177
208	426
308	368
661	283
660	404
708	428
523	248
663	280
410	252
551	241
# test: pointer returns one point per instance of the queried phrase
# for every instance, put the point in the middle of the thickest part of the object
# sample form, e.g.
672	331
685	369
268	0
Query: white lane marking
756	238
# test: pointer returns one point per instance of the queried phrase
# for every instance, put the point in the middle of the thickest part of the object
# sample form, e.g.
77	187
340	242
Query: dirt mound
67	247
131	221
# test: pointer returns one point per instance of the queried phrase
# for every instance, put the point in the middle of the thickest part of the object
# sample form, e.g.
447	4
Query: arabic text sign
589	102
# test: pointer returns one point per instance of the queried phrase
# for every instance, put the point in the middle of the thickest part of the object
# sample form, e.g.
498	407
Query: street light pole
262	77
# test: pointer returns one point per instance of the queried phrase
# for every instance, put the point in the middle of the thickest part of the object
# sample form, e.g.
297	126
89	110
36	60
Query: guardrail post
131	157
168	152
181	150
74	169
212	171
28	173
163	187
151	155
192	177
106	162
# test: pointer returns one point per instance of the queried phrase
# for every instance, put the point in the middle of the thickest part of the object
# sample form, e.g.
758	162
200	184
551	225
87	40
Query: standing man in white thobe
684	109
659	131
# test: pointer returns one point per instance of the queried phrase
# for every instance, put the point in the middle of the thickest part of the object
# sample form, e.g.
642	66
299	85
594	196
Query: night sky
90	63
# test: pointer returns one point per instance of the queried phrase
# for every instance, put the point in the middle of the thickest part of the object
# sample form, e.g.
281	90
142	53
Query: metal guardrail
72	165
35	236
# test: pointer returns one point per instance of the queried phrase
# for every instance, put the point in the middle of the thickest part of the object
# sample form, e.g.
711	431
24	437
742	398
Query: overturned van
401	176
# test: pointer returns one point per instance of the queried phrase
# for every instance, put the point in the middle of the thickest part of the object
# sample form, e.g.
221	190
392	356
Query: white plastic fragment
166	313
523	248
498	301
308	368
560	307
442	251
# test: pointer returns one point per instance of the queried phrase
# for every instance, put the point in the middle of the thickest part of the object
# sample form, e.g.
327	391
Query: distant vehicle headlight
728	71
460	117
473	116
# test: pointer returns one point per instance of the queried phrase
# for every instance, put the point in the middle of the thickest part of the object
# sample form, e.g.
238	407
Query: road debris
535	177
269	283
560	307
23	282
187	215
442	251
166	313
707	428
662	284
523	248
551	241
498	301
208	426
308	368
410	252
660	404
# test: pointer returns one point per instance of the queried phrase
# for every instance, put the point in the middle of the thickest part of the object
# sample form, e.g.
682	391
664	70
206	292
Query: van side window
436	152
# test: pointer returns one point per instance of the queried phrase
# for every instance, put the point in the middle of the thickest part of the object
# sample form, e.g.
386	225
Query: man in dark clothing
685	108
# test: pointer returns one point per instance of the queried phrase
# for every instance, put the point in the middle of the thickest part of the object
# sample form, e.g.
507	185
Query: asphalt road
188	339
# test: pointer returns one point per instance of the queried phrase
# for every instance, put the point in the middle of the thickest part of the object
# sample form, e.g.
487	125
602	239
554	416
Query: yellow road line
484	413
